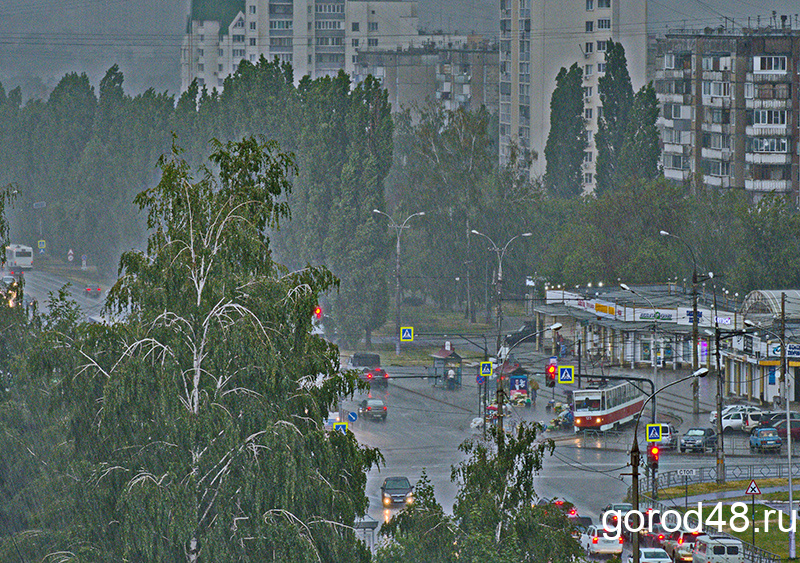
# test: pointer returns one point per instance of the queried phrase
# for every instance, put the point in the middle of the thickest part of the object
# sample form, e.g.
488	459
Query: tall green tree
640	149
566	141
616	99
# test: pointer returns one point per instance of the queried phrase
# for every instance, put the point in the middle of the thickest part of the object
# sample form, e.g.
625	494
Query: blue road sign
486	369
653	432
42	244
352	416
566	374
407	334
480	379
340	427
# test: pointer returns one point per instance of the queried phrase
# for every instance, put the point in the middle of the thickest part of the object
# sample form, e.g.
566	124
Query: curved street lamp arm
686	244
702	372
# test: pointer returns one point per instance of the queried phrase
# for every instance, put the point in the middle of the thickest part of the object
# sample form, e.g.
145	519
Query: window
328	24
603	3
239	23
202	37
676	162
587	113
749	90
716	141
354	42
602	46
601	68
252	41
589	136
372	26
280	42
200	52
372	42
587	156
355	26
768	144
238	52
769	117
669	61
252	58
201	67
587	70
769	64
604	23
588	178
589	48
587	91
589	5
253	26
253	9
708	63
720	116
219	68
240	38
330	8
589	27
716	89
717	168
281	24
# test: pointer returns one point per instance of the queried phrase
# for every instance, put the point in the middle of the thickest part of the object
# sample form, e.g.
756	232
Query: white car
733	421
652	555
730	409
597	541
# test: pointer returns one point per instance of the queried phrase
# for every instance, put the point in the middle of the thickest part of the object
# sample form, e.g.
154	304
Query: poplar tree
566	141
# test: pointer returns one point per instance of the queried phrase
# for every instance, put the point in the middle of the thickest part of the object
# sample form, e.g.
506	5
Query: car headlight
410	498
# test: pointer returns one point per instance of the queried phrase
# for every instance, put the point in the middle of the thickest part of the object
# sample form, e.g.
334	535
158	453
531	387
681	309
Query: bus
19	256
607	407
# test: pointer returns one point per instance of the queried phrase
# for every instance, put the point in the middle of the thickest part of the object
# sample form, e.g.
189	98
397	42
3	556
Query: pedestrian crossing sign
340	427
486	369
566	374
653	432
407	334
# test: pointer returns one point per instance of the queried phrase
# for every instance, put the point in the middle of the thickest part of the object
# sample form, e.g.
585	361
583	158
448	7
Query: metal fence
668	479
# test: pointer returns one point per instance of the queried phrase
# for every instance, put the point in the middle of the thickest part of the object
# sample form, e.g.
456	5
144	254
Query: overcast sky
41	40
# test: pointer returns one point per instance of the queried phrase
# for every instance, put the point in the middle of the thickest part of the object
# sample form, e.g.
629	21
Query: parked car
396	490
780	426
765	439
651	555
525	331
368	366
373	409
733	421
769	419
599	541
679	545
699	440
751	419
731	409
717	549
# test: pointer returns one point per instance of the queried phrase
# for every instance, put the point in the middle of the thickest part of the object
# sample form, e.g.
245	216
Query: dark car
525	331
769	419
93	291
653	536
565	506
373	409
780	426
369	368
396	490
699	440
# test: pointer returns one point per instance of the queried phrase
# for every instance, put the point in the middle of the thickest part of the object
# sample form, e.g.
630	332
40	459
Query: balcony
675	174
768	158
780	186
766	131
751	103
718	181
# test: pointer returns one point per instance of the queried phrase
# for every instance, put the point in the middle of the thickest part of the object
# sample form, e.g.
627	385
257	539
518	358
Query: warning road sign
566	374
653	432
407	334
753	489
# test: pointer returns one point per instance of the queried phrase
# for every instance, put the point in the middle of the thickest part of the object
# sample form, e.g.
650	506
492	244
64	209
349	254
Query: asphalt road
39	284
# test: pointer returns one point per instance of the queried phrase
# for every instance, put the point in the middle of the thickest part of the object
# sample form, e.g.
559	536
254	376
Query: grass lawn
429	319
704	488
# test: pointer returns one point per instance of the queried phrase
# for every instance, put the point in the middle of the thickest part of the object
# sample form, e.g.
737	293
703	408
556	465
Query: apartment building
317	37
537	39
729	106
459	71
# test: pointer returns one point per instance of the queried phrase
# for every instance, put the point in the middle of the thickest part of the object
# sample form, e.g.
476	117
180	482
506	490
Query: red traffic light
550	379
551	370
317	312
652	456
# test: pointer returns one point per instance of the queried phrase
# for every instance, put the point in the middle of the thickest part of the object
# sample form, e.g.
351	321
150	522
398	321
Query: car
373	409
780	426
564	505
93	291
368	366
651	555
599	541
731	409
526	331
699	440
769	419
733	421
396	491
652	536
751	419
669	437
679	545
765	439
717	549
617	510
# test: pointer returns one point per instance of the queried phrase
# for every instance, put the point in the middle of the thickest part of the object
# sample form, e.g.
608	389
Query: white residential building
318	38
537	39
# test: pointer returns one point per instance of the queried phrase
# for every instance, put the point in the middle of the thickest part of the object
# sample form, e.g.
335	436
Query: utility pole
635	458
695	358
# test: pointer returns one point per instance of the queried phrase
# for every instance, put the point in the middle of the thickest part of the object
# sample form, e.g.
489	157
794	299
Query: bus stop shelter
446	369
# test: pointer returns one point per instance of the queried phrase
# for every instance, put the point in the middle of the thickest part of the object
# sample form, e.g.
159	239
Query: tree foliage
641	149
566	141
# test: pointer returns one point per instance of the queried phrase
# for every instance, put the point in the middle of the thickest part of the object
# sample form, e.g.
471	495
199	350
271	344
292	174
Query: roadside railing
678	478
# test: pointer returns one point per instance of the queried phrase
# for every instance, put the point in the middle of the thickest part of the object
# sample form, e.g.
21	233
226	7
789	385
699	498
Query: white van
717	549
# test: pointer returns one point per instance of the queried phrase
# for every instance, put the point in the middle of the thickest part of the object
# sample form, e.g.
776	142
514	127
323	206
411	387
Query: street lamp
500	254
636	454
399	228
695	359
785	374
625	287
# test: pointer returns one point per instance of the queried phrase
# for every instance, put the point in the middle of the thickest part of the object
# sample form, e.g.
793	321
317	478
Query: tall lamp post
501	252
695	358
625	287
399	228
785	375
636	454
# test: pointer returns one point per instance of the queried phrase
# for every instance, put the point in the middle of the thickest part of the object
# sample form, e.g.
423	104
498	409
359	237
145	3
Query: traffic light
318	312
551	375
652	457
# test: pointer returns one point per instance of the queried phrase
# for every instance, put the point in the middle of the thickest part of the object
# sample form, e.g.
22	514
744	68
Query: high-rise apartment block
318	37
729	107
537	39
